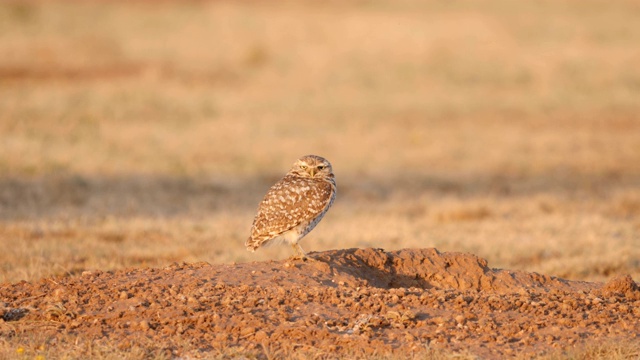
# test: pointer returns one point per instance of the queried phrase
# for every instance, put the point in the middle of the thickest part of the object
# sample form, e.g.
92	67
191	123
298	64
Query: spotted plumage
294	205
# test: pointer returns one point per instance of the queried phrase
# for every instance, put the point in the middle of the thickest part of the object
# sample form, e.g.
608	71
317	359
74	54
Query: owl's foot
300	254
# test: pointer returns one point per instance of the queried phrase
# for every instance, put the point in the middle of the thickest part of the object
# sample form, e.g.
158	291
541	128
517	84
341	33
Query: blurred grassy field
143	133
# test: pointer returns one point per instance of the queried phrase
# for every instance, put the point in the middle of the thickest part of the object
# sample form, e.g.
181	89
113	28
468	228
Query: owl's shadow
362	267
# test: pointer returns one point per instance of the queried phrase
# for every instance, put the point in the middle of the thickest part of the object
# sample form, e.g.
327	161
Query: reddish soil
339	303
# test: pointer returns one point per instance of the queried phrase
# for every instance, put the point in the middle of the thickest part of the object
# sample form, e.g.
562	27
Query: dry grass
41	347
609	350
138	134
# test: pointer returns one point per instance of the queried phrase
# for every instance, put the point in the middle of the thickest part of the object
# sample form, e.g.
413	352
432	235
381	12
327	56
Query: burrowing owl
294	205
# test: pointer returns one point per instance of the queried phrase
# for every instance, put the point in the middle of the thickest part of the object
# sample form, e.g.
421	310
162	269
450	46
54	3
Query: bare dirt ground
339	303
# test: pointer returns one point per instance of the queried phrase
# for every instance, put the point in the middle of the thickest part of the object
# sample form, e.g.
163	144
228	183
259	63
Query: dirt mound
354	302
426	269
621	286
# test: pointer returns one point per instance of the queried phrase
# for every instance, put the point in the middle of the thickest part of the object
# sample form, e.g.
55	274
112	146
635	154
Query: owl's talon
300	254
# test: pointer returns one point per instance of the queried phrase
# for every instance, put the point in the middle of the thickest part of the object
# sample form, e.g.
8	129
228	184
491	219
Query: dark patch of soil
354	302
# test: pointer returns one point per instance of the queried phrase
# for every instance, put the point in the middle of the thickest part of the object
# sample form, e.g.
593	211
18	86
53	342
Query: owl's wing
288	203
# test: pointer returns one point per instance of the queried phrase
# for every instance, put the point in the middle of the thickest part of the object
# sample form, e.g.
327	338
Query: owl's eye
303	167
321	167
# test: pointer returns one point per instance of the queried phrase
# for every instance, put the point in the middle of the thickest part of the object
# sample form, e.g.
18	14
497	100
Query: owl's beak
312	171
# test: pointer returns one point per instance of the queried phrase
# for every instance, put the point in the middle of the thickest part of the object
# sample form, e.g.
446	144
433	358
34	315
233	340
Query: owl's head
312	166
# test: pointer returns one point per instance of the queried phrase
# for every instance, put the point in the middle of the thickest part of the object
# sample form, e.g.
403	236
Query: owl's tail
251	244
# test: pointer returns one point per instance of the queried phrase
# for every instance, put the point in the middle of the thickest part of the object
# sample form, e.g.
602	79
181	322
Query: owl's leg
299	252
